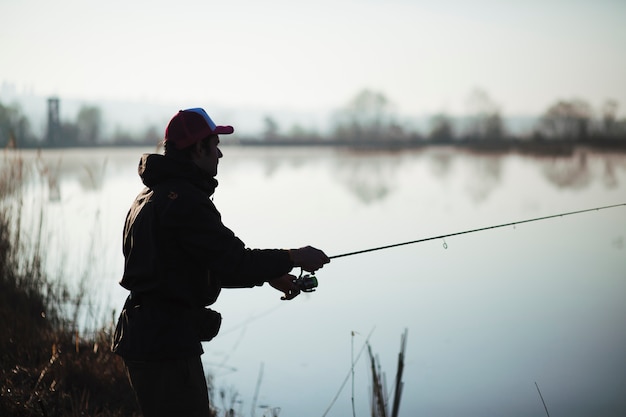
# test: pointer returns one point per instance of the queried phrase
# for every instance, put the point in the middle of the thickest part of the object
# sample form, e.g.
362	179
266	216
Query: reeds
46	367
380	394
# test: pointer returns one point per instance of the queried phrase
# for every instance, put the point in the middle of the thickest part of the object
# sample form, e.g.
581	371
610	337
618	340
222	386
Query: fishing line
536	219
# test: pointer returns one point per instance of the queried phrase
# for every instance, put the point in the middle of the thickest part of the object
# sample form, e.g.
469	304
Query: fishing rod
308	282
536	219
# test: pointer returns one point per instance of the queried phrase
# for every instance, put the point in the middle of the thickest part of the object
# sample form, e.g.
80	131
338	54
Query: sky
425	56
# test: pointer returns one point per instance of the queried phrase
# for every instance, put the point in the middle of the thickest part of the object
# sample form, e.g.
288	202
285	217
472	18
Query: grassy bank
47	368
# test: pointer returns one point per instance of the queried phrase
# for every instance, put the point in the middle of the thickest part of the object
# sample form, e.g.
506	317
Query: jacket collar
156	168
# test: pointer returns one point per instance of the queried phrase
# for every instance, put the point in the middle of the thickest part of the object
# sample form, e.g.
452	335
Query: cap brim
223	130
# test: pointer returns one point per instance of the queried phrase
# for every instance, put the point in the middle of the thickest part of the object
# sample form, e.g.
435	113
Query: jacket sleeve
139	245
201	235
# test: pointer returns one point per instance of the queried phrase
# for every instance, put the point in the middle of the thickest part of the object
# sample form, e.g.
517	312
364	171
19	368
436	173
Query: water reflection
583	168
484	176
91	177
609	176
572	172
52	168
48	171
440	162
370	177
487	313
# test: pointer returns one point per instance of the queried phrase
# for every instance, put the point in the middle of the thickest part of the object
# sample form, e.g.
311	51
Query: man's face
206	157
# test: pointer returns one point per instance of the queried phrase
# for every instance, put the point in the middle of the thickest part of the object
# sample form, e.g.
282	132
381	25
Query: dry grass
46	367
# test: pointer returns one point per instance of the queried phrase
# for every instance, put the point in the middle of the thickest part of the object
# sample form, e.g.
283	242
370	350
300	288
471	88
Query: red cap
191	125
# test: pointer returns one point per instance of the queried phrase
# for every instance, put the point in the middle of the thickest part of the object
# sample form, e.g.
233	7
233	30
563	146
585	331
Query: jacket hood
156	168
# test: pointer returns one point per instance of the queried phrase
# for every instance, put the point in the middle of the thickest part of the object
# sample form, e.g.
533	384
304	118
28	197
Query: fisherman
178	256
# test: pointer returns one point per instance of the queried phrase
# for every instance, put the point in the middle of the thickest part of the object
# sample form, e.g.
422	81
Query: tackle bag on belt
207	323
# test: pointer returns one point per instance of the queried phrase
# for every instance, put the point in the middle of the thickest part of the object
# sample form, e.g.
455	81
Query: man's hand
285	284
308	258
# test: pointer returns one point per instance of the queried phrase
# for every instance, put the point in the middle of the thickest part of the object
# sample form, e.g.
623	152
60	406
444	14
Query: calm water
488	314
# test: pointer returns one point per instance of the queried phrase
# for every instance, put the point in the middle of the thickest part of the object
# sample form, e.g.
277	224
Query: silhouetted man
178	257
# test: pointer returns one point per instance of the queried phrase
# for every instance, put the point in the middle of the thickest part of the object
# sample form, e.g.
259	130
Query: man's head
191	134
190	126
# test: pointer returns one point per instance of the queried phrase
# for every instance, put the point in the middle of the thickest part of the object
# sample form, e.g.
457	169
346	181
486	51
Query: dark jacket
178	256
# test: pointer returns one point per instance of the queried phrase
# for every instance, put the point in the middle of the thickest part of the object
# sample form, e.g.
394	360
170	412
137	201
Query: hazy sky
425	55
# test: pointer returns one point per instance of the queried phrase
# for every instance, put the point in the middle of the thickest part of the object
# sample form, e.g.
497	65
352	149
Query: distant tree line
368	117
85	131
14	127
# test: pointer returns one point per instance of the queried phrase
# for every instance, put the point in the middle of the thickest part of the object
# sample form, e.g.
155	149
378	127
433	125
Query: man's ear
198	149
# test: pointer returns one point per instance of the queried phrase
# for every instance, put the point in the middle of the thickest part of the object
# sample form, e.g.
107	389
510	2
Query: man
178	257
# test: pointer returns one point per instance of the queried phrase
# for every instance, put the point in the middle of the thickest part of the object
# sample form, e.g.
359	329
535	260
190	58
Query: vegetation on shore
47	366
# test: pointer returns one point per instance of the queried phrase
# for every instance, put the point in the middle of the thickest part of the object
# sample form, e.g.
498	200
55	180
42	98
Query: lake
488	314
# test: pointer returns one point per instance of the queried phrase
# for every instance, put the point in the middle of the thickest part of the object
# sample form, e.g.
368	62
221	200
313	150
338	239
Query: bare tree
14	127
485	120
441	128
609	118
271	128
567	120
89	124
367	116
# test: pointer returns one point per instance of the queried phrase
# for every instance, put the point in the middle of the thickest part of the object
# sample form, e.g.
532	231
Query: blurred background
357	124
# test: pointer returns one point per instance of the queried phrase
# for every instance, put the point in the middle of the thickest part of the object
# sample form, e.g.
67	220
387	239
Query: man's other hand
286	285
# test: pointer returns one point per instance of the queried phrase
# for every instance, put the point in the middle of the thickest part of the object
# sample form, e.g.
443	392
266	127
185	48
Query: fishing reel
306	283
